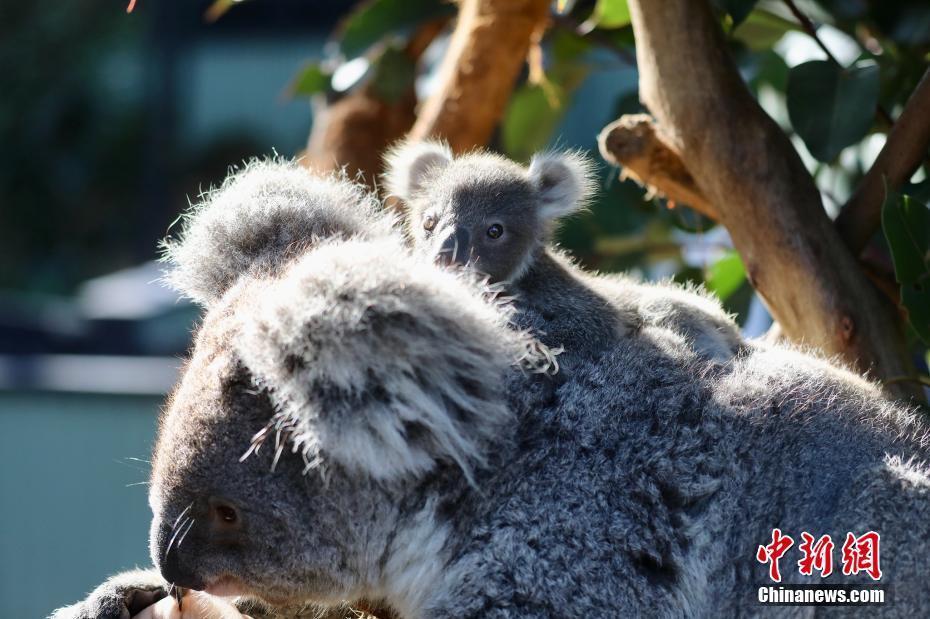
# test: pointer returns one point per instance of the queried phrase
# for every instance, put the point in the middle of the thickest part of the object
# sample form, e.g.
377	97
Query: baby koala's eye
495	231
429	222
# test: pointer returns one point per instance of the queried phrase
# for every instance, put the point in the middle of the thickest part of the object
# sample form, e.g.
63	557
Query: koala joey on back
492	214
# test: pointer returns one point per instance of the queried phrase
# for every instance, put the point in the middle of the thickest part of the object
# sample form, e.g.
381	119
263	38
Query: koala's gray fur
689	311
269	210
642	485
462	197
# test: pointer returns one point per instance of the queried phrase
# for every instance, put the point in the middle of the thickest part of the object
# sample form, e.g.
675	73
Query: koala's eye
495	231
429	222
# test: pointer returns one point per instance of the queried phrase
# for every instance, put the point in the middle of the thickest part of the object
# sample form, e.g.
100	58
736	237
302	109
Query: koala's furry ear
259	219
409	164
565	181
382	363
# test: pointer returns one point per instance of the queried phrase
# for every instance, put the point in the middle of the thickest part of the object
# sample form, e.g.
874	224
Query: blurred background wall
109	123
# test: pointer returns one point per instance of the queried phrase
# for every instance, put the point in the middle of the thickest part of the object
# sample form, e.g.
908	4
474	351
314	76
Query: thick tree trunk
486	54
747	168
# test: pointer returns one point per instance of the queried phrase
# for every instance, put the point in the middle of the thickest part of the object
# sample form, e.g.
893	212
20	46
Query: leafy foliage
906	223
831	107
311	80
373	20
726	275
586	77
609	14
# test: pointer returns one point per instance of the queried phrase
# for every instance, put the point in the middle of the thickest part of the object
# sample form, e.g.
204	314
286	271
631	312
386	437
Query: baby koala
497	216
492	214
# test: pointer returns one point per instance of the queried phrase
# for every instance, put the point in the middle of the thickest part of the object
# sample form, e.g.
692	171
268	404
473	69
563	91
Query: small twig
920	379
811	29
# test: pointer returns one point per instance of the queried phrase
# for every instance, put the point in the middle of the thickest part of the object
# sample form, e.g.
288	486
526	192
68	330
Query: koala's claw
121	597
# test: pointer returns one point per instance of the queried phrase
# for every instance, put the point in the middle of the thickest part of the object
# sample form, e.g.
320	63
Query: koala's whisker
186	531
183	513
175	537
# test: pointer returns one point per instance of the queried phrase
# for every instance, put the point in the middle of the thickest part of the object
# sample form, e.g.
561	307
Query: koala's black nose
456	249
225	520
210	528
173	552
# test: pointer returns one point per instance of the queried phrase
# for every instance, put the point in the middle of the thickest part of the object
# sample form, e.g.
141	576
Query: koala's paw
120	597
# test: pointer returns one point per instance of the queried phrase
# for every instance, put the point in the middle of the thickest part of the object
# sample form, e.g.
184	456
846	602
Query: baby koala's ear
408	165
564	181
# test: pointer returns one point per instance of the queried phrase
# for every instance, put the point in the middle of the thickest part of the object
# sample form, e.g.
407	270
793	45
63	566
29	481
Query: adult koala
396	455
251	227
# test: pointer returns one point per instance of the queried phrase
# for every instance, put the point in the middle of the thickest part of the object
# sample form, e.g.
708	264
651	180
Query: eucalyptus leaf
311	80
370	21
762	29
394	75
610	14
831	107
906	224
529	121
725	276
535	110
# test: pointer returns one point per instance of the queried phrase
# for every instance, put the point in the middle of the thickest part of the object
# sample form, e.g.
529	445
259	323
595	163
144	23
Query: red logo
816	555
861	554
773	552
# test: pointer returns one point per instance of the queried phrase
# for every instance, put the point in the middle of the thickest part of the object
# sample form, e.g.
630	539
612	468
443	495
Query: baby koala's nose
456	249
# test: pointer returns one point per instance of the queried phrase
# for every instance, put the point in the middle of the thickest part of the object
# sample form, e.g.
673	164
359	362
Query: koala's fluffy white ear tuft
409	164
565	181
383	363
259	219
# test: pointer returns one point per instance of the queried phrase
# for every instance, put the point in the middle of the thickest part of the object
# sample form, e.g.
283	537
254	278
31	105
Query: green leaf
311	80
394	75
609	14
770	68
373	19
762	30
535	110
725	276
831	107
906	224
529	121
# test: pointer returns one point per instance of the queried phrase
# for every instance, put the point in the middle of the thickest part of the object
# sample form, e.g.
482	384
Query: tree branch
486	54
746	166
904	150
633	142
